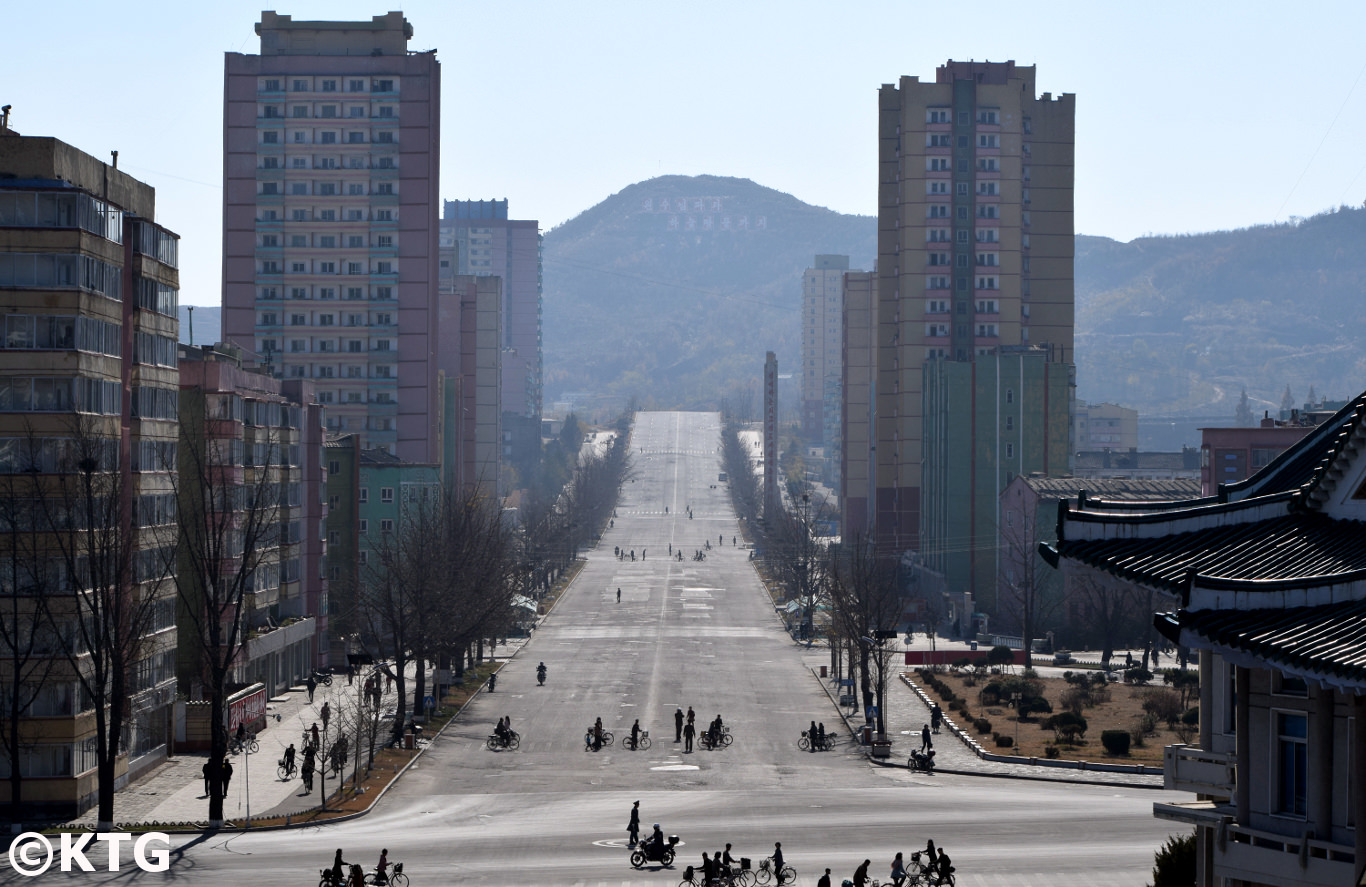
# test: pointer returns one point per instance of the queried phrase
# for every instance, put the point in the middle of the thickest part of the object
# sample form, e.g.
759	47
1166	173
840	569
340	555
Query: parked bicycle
236	746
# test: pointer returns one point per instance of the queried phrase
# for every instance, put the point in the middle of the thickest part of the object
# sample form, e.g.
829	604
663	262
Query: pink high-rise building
331	138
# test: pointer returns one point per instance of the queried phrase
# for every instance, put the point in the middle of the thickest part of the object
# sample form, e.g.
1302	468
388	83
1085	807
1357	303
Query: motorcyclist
540	673
493	681
501	731
654	848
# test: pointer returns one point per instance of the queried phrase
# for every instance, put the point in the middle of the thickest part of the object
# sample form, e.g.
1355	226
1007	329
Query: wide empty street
698	633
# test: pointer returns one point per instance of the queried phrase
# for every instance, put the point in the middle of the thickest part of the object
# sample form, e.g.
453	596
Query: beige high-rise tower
975	246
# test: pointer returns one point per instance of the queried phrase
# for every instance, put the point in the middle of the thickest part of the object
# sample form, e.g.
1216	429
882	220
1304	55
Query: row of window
348	161
51	455
356	397
332	346
62	333
153	350
945	140
983	259
154	241
326	189
332	371
325	241
323	111
49	209
351	293
379	318
983	330
328	137
156	296
275	266
982	164
61	271
345	214
984	116
59	394
981	235
156	403
983	306
327	84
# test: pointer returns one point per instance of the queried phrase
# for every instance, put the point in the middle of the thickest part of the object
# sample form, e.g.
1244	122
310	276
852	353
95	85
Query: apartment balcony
1189	768
1247	854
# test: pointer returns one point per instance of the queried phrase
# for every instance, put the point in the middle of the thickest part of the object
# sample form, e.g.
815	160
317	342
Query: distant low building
1229	455
1133	464
1104	426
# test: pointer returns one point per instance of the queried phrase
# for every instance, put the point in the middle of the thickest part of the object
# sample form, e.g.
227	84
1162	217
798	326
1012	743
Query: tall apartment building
88	429
822	342
487	243
974	248
271	431
471	318
857	433
331	139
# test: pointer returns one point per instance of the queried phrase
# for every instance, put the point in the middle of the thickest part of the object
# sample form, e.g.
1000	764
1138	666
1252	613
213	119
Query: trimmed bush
1137	675
1192	717
1034	705
1050	751
1003	741
982	725
1068	726
1116	742
1176	863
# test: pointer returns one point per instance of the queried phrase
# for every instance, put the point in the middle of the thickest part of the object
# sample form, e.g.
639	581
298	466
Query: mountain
673	288
1178	325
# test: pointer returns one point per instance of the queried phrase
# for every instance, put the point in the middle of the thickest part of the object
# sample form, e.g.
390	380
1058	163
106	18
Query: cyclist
289	758
338	868
898	870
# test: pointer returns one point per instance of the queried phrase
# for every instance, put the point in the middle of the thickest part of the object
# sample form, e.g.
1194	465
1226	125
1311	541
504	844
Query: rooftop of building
386	34
1115	489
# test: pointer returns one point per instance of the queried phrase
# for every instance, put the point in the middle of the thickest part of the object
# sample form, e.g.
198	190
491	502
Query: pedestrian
811	737
936	717
597	735
824	879
311	684
678	725
925	742
820	735
671	549
635	734
326	714
226	770
692	716
618	595
350	674
689	731
314	730
633	827
307	771
861	874
388	680
778	862
208	772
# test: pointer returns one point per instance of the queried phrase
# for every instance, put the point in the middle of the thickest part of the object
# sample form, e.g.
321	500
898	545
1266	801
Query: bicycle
236	746
765	873
692	877
396	877
588	740
495	743
286	770
805	742
641	744
722	741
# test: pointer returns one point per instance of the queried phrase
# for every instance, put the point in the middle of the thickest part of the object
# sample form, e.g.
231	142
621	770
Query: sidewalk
906	714
174	791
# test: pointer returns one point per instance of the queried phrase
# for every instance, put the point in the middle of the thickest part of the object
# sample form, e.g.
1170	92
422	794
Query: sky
1191	116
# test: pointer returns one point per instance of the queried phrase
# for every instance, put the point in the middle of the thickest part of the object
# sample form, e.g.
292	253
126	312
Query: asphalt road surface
685	633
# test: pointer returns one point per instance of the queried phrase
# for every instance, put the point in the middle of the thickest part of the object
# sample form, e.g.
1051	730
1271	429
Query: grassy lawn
1115	707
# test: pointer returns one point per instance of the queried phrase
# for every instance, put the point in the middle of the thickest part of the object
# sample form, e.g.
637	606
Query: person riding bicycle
501	731
338	868
898	870
289	758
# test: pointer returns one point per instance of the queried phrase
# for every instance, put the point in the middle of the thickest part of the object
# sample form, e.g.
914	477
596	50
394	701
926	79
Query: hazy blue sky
1191	116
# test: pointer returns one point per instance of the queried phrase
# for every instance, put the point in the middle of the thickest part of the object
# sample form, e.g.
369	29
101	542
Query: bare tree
229	497
26	642
112	578
866	606
1104	609
1028	589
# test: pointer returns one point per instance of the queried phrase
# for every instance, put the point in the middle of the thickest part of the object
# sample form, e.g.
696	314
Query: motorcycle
323	677
664	857
493	681
922	761
540	677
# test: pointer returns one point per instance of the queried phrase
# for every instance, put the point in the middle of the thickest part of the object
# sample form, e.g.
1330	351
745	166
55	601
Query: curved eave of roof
1347	674
1304	464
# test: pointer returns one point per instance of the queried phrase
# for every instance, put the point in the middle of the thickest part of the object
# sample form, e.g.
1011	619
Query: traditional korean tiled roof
1325	644
1298	545
1117	490
1304	464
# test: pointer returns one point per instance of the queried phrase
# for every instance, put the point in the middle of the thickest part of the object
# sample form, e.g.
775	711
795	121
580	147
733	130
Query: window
937	187
962	234
354	268
327	138
988	330
987	283
329	86
937	115
938	210
938	164
1010	395
355	188
989	116
936	306
355	85
329	111
987	211
988	140
988	164
988	259
299	111
988	235
962	189
298	320
1010	424
938	140
386	494
936	329
988	189
939	258
1010	451
988	306
384	137
298	188
936	283
270	138
937	235
382	86
1292	762
386	526
384	215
